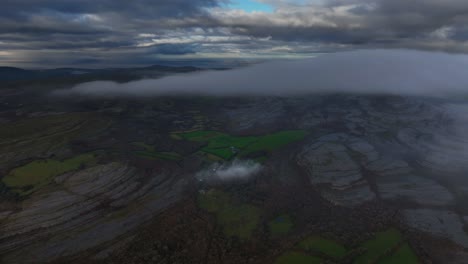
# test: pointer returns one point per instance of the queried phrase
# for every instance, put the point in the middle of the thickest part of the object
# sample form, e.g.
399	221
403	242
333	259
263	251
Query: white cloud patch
443	33
146	35
193	39
4	53
292	17
237	170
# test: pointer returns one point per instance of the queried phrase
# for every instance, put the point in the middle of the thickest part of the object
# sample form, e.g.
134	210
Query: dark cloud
141	8
425	24
64	31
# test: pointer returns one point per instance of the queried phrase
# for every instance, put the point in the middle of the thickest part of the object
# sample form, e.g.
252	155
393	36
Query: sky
250	6
98	33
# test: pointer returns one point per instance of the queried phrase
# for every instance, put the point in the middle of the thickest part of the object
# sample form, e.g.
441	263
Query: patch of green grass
239	220
35	175
403	255
324	246
214	200
199	136
149	152
387	247
226	141
379	246
274	141
223	153
211	157
281	225
221	144
297	258
226	146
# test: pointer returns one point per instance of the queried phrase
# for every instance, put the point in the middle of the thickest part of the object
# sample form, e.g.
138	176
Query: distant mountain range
12	74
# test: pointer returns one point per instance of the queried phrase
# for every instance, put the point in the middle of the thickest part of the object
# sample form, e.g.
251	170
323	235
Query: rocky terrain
114	180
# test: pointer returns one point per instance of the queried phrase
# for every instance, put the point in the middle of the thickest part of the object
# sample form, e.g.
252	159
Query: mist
394	72
448	146
237	170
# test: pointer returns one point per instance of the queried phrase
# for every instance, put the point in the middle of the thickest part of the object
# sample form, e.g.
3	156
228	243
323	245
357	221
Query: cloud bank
237	170
398	72
121	32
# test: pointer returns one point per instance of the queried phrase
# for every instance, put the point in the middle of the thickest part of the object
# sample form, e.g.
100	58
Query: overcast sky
52	33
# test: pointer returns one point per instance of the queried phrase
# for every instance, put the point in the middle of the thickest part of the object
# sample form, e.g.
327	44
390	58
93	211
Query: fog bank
402	72
237	170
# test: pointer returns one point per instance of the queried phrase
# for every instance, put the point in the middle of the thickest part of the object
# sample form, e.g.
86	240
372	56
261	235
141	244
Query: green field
281	225
33	176
297	258
403	255
273	141
325	246
227	146
199	136
387	247
213	200
239	220
380	245
149	152
236	219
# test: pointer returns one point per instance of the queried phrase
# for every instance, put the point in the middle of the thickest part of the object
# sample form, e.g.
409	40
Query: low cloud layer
400	72
237	170
448	146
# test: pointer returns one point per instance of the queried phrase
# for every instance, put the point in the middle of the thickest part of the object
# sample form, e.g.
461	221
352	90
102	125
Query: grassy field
297	258
213	200
226	146
274	141
239	220
32	176
325	246
281	225
236	219
378	246
199	136
403	255
387	247
149	152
